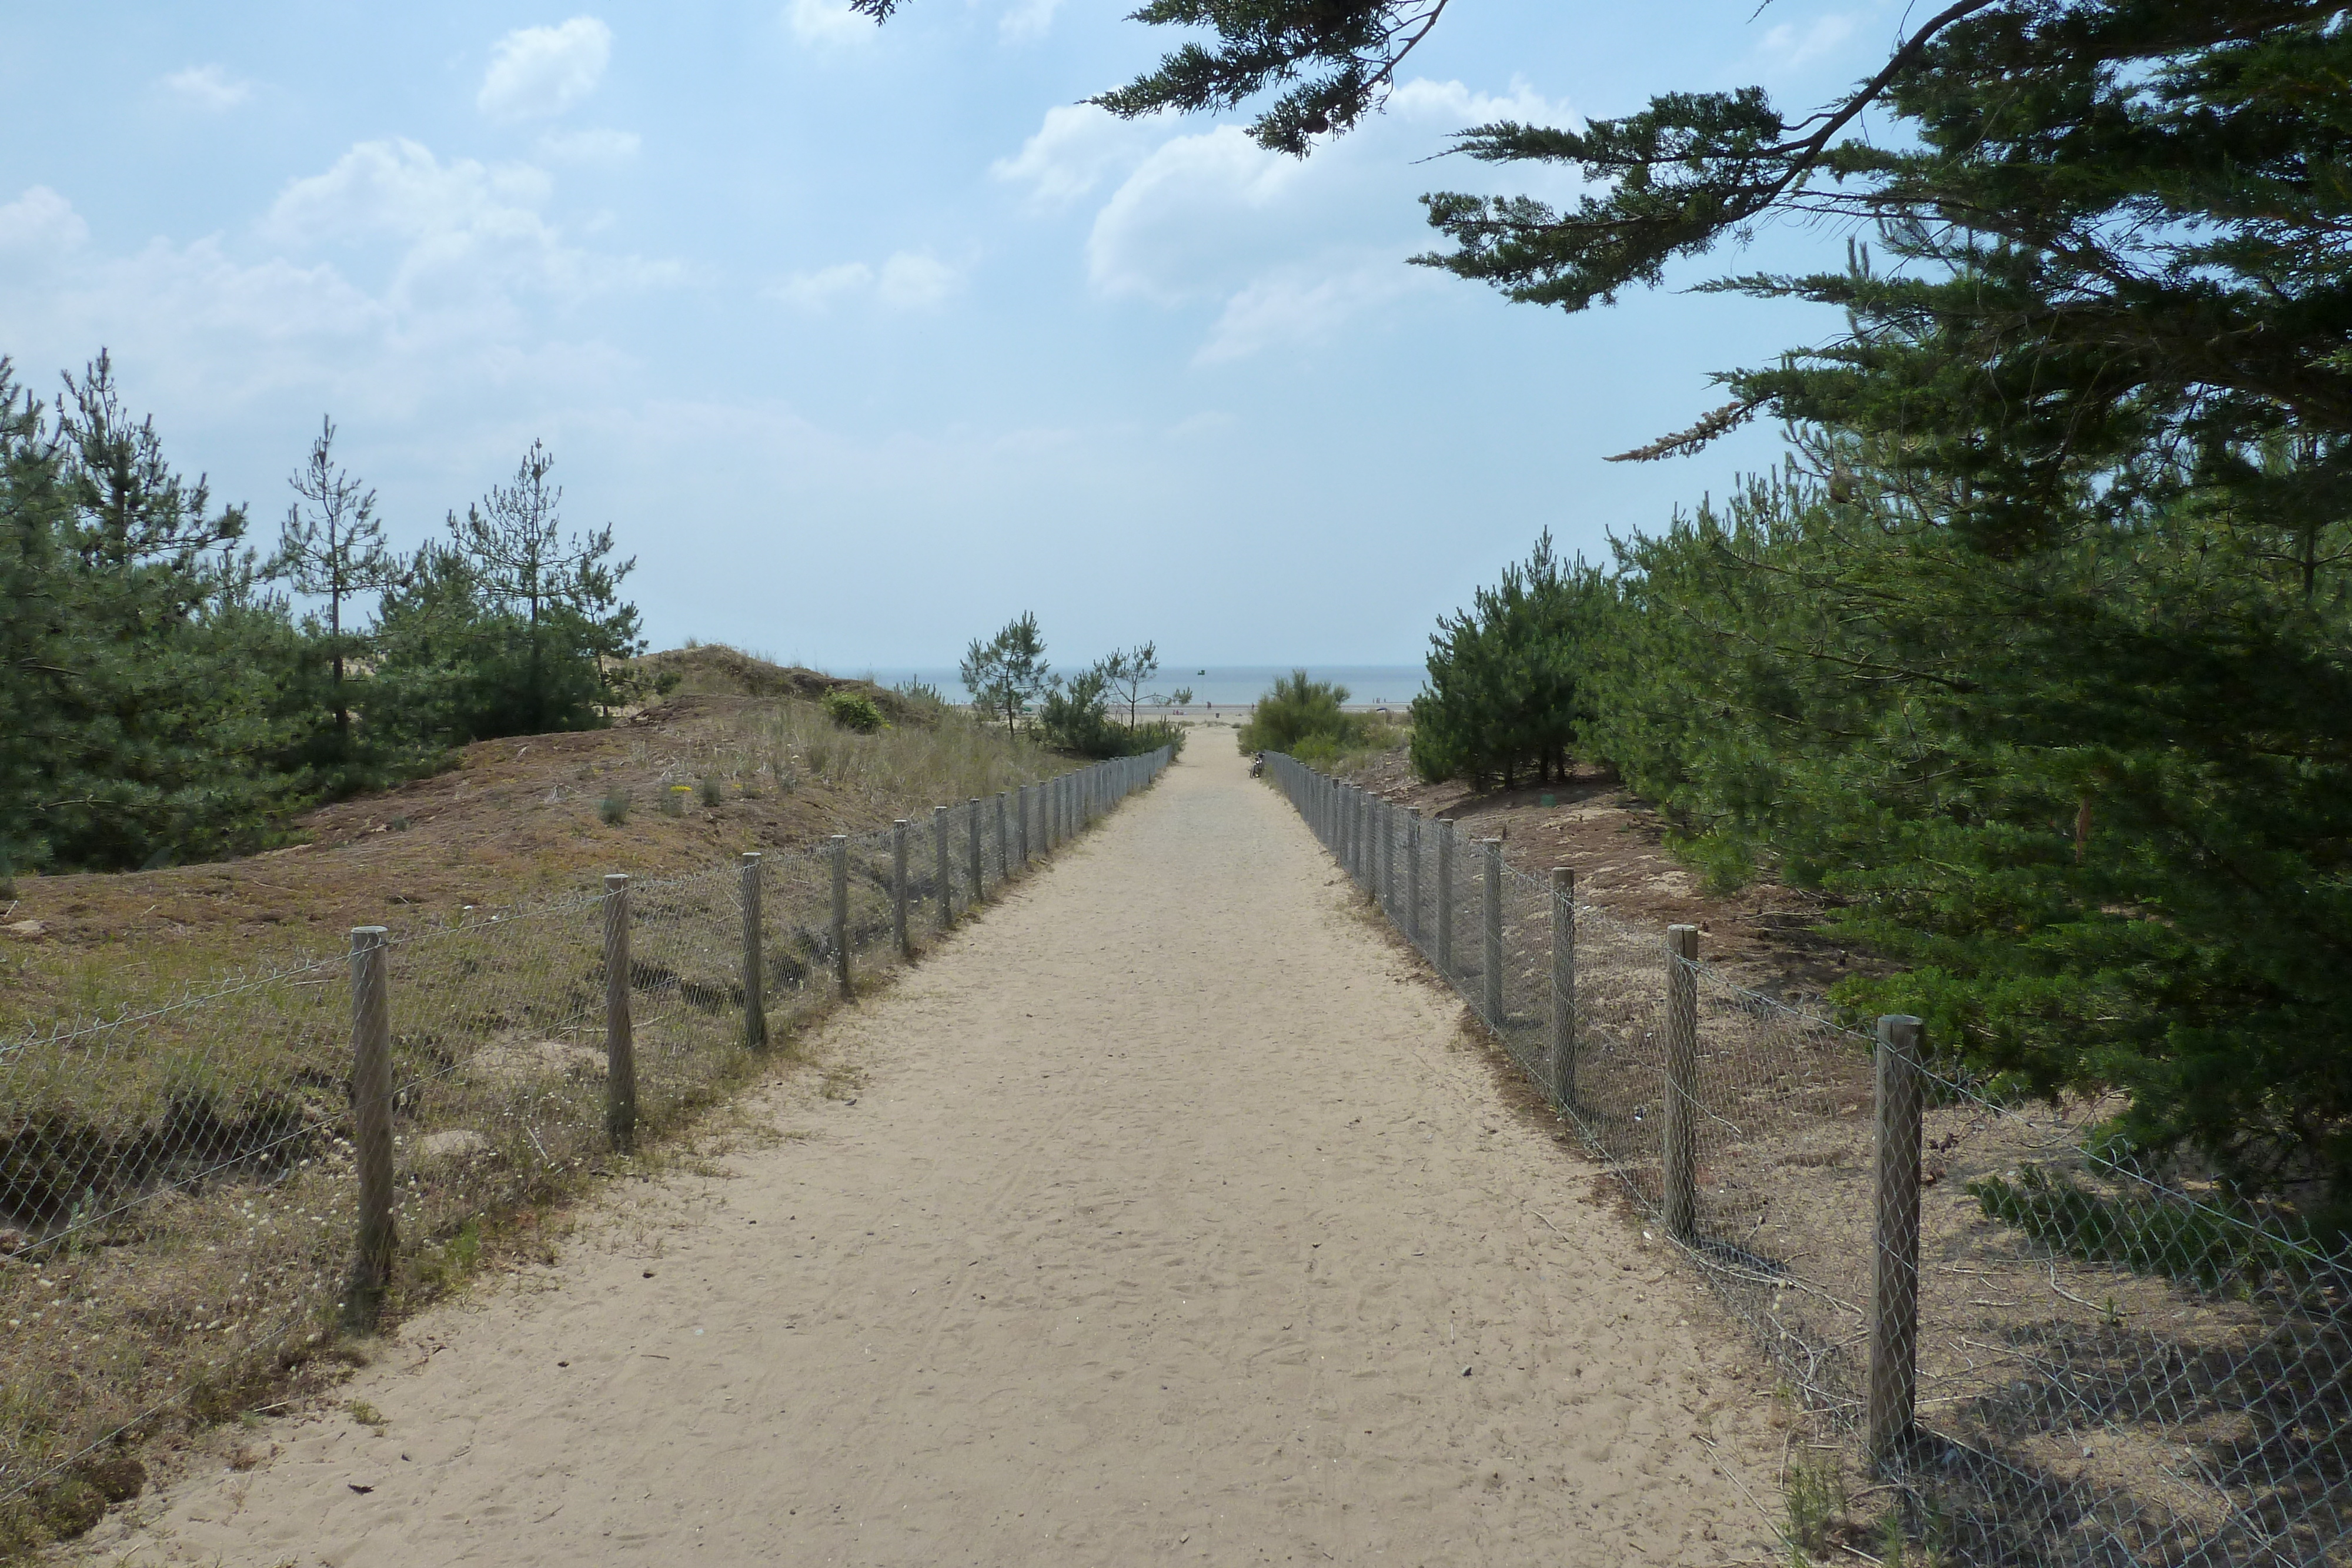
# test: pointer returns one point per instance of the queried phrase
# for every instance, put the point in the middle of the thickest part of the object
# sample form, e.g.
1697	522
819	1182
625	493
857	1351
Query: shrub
1296	710
613	808
713	792
853	710
1076	719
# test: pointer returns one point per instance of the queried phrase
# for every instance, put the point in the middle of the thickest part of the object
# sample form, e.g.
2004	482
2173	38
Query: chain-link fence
2008	1342
194	1196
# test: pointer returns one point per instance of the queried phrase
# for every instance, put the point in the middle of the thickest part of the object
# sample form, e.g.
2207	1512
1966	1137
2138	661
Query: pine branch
1683	442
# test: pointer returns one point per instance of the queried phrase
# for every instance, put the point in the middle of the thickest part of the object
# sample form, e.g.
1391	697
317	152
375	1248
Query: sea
1369	687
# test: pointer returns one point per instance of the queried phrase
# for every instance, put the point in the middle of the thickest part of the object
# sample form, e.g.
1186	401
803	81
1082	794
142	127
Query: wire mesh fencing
2009	1343
194	1196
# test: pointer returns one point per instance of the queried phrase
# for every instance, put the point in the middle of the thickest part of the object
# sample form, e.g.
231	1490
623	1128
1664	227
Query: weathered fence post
1563	984
841	909
1387	819
1894	1271
755	990
1445	898
1021	821
371	1125
1679	1196
1491	941
947	881
620	1040
1413	872
898	887
1003	841
972	850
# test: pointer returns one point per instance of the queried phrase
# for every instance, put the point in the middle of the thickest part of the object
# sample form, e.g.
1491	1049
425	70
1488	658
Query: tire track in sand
1171	1211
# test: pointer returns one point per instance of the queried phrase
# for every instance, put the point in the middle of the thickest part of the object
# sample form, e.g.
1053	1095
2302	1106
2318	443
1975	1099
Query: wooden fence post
1021	821
755	978
372	1127
1445	898
1388	813
972	850
620	1040
1003	841
1563	984
1491	942
841	909
947	882
1894	1271
898	887
1412	872
1679	1196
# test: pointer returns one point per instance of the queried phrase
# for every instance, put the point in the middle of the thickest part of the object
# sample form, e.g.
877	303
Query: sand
1176	1219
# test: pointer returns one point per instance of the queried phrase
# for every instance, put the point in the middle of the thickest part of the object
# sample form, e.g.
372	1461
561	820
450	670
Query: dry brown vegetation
2074	1398
194	1163
1762	936
514	823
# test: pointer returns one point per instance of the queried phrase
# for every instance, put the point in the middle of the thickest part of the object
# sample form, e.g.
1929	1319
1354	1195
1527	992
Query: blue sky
865	339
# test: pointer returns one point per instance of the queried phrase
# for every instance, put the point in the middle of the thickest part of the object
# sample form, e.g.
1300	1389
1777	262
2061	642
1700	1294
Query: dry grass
194	1161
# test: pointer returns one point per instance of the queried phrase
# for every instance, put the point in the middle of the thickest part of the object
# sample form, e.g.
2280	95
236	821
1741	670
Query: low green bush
853	710
1075	720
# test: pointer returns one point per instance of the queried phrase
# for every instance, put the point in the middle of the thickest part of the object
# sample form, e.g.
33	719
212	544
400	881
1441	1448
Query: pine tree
332	546
1008	673
564	592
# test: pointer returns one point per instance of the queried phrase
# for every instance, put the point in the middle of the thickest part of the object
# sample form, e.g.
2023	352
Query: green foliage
852	710
151	689
1075	720
1297	712
1815	1496
1008	673
332	546
159	701
1505	695
2093	796
614	808
2192	1243
1127	673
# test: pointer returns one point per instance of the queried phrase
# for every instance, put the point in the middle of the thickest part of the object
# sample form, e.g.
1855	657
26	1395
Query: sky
865	339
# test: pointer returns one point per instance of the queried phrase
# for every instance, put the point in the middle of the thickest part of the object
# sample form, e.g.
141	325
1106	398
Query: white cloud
908	280
40	222
590	146
1454	106
1299	305
818	290
1167	234
466	236
1028	19
537	72
399	189
912	281
1073	151
1789	44
208	87
448	283
827	22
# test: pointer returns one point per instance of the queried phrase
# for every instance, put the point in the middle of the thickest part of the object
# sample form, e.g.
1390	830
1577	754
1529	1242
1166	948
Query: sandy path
1172	1222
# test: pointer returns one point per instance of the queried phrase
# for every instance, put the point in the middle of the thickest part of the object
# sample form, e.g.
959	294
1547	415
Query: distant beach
1223	685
